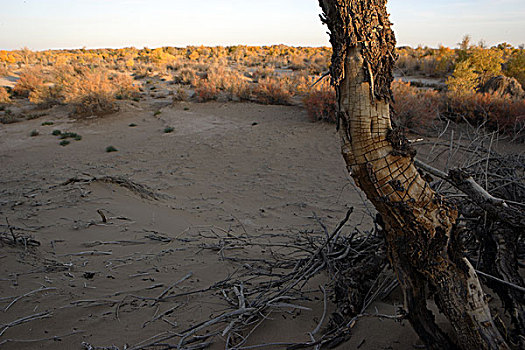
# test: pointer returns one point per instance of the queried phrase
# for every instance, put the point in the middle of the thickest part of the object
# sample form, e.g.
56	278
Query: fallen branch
25	319
53	338
496	207
39	290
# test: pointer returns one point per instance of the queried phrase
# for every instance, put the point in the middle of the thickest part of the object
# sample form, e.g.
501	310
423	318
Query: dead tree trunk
422	246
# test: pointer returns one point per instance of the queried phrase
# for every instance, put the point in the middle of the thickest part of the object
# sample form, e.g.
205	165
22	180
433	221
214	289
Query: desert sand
227	169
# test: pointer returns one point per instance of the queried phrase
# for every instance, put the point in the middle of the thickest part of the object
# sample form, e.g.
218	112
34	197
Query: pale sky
58	24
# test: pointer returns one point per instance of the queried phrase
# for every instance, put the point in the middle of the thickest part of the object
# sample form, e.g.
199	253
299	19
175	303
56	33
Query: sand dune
240	168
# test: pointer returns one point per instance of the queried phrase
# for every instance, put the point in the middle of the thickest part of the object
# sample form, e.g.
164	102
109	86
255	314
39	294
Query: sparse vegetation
93	80
34	133
168	129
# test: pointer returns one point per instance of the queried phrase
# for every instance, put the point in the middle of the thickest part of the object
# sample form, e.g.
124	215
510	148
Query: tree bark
420	235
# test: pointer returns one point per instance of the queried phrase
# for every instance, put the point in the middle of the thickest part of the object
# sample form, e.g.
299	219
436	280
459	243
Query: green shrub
516	67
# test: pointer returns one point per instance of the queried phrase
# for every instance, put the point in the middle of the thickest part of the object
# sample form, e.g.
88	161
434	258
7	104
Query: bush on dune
91	93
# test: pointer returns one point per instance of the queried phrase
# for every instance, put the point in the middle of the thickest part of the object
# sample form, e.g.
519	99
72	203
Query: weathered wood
419	223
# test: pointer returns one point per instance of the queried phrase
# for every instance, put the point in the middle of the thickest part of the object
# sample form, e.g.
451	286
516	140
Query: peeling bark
420	235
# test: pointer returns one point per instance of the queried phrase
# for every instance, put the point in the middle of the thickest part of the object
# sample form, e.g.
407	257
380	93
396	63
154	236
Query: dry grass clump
125	87
206	91
231	82
272	91
5	98
262	73
501	113
91	93
414	109
179	95
142	71
320	103
4	70
31	80
186	76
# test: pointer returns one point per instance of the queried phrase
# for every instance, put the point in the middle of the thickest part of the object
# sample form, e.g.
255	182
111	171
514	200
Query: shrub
321	104
45	96
125	87
4	96
4	70
185	76
262	73
31	80
179	95
516	67
463	80
414	109
206	91
142	71
231	82
500	113
477	67
272	91
110	149
91	93
169	129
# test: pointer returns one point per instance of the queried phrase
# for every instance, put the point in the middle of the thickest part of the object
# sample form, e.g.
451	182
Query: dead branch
53	338
25	319
39	290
